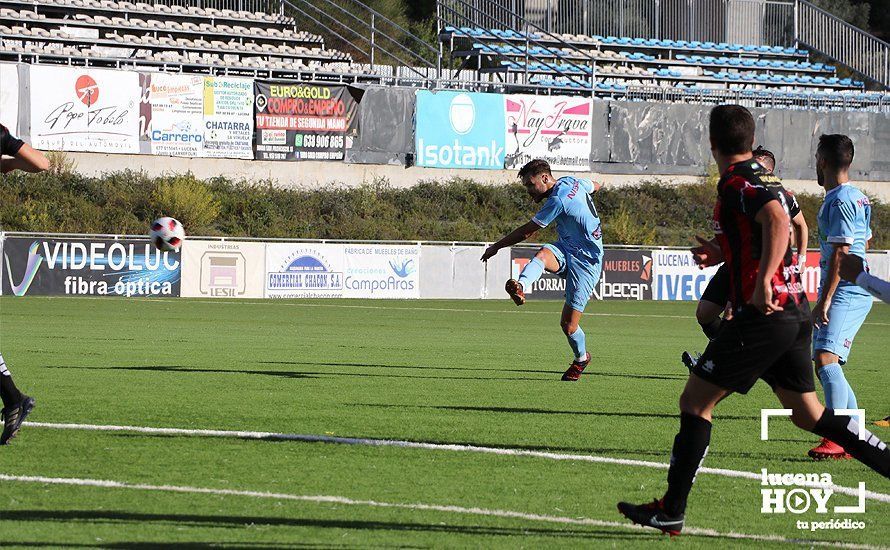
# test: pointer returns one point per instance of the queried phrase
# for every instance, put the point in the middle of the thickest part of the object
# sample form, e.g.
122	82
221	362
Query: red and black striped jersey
742	191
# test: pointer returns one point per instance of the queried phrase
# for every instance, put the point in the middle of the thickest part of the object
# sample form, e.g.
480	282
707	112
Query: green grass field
448	372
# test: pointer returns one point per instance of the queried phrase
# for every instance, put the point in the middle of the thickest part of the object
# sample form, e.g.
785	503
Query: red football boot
514	289
827	449
575	370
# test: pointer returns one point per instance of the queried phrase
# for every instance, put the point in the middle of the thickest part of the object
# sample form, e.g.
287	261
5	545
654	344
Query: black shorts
752	345
717	291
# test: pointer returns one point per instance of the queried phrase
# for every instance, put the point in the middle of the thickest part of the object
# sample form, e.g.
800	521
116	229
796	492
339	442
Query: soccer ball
167	234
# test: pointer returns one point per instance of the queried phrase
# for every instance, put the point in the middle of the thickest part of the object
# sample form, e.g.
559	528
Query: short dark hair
732	129
837	150
761	153
533	168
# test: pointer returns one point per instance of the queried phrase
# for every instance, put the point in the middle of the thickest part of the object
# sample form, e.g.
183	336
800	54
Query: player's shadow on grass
470	369
299	374
531	410
212	521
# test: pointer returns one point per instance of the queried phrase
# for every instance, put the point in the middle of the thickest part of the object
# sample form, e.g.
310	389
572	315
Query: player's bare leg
570	326
544	260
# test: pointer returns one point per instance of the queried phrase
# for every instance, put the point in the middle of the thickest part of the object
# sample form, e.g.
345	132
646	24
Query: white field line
881	497
421	309
327	499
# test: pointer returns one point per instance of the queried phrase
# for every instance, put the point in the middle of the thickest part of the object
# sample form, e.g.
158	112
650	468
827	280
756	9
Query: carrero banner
556	129
47	267
303	121
84	109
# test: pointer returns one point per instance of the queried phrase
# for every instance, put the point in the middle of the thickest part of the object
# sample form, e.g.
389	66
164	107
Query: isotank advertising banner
460	130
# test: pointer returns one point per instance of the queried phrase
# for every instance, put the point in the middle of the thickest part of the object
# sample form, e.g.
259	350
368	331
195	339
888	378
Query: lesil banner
676	276
171	114
223	269
88	267
556	129
303	121
228	117
84	109
460	130
379	271
304	270
9	97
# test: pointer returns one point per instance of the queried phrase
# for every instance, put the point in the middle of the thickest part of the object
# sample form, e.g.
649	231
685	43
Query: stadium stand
617	62
106	33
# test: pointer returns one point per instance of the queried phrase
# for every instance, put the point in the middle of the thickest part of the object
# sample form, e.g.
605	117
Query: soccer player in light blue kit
576	256
844	220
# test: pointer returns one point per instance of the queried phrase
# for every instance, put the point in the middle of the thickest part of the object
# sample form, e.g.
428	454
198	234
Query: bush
651	213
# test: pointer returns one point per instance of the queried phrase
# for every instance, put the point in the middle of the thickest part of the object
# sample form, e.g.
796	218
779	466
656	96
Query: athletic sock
8	392
835	385
690	448
711	329
844	430
851	398
579	344
531	273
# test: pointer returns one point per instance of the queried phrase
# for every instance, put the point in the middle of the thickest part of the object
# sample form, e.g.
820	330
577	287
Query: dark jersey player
715	298
769	335
15	154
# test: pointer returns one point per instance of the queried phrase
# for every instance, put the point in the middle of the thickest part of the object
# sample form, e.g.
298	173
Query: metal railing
819	30
736	21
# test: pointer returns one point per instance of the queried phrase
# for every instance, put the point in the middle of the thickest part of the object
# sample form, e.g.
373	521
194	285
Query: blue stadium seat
695	44
667	43
609	40
846	82
681	44
749	48
763	77
624	41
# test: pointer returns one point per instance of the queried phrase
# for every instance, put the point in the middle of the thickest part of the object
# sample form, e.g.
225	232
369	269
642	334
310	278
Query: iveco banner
303	121
34	266
460	130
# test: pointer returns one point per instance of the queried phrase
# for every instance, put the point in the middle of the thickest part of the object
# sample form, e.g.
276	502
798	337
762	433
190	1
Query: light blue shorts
581	275
845	316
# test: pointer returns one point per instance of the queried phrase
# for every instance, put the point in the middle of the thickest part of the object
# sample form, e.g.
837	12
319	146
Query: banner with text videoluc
460	130
626	275
554	128
223	269
96	267
303	121
676	276
84	109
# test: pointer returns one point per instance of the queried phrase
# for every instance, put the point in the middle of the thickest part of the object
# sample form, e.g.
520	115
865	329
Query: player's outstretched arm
27	158
517	236
853	270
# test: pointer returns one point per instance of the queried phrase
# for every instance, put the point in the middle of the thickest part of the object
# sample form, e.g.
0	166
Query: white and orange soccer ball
167	234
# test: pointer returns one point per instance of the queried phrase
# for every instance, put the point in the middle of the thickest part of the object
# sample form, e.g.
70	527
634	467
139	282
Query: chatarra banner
554	128
303	121
626	275
677	277
378	271
52	267
84	109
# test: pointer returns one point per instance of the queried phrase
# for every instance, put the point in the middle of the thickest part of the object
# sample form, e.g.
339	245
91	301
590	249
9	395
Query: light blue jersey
577	223
844	218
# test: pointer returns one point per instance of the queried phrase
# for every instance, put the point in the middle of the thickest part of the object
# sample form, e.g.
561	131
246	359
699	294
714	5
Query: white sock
3	370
